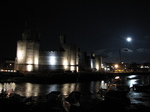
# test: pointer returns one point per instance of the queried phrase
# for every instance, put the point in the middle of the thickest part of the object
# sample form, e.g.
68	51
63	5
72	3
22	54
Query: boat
115	92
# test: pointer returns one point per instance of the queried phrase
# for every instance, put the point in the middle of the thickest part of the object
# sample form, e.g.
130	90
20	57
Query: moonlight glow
129	39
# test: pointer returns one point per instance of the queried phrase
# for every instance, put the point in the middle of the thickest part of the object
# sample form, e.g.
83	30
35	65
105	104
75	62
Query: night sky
95	26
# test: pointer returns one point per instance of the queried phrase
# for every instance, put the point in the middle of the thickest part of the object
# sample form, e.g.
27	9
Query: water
86	88
31	89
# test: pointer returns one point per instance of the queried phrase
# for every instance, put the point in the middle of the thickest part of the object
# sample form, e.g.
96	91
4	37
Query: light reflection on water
68	88
30	89
132	82
7	87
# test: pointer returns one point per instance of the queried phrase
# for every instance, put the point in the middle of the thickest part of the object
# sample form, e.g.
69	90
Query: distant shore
59	77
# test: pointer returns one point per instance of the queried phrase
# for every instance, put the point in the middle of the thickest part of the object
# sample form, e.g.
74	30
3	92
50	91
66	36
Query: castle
29	58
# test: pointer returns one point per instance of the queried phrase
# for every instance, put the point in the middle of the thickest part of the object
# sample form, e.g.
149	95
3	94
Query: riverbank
51	78
53	102
89	103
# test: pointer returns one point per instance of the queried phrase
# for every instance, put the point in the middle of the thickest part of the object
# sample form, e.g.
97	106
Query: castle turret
27	52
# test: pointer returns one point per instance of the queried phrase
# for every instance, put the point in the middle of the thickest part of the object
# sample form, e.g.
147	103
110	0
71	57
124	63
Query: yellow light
77	69
36	60
68	88
72	68
19	54
116	66
97	66
72	62
28	89
29	68
29	61
65	62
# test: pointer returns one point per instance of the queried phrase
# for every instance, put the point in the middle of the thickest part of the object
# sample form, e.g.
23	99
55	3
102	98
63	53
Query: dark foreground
55	102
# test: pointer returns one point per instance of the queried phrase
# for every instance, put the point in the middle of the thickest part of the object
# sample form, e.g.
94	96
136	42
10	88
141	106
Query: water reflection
53	87
30	89
103	85
68	88
132	76
7	87
137	79
132	82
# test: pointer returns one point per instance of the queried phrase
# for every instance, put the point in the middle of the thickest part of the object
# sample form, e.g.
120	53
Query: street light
116	66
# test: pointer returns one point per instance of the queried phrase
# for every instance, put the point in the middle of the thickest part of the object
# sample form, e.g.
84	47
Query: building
68	58
7	65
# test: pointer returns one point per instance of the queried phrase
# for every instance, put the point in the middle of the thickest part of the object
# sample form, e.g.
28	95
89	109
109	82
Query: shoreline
51	78
31	105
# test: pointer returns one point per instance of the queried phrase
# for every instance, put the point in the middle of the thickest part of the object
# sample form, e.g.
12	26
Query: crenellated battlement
29	54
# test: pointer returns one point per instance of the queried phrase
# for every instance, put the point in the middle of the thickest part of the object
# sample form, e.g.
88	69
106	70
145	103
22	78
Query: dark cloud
147	36
140	50
109	54
143	50
126	50
105	53
139	55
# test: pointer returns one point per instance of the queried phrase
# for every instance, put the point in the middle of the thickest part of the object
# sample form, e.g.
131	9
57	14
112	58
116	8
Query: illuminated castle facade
68	58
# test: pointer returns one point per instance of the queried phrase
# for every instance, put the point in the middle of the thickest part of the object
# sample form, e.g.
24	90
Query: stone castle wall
30	58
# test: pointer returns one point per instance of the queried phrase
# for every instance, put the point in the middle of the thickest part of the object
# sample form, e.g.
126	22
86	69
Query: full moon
129	39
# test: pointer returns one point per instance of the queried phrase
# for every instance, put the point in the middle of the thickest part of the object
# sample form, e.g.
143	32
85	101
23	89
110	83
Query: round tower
27	58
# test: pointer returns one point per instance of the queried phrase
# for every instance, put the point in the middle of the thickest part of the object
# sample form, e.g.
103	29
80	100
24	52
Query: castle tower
70	54
27	56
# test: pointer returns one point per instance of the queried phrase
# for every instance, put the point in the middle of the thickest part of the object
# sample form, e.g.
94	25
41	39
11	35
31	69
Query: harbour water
89	89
